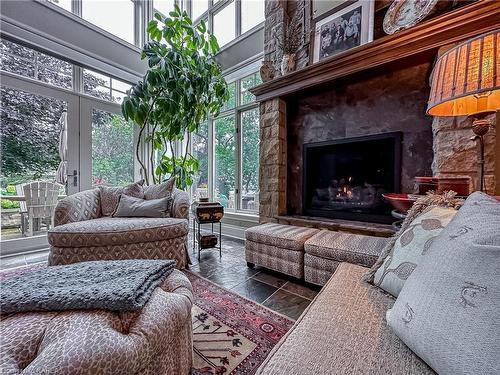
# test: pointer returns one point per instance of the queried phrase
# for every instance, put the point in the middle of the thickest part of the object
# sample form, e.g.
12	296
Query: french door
55	135
107	145
40	130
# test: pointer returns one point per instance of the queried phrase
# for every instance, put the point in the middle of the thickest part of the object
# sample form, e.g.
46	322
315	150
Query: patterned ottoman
278	247
154	340
326	250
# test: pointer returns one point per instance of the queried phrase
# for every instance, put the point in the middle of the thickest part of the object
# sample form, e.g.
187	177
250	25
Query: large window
104	87
43	127
225	161
200	151
224	26
112	149
226	19
114	16
252	13
29	63
227	148
250	134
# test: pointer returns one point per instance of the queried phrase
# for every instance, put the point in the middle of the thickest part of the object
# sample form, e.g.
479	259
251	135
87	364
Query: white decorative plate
403	14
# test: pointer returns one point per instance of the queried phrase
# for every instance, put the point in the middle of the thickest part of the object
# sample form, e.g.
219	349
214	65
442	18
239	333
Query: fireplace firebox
345	179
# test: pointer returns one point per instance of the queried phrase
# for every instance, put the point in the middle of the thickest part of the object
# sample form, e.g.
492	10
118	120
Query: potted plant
289	43
183	85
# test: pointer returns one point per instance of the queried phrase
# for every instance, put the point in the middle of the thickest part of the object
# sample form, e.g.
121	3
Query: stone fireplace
385	99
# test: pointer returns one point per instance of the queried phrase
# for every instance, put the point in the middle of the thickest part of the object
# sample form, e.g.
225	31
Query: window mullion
238	17
211	158
76	7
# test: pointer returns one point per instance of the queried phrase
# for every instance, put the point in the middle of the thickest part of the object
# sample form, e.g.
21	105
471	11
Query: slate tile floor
278	292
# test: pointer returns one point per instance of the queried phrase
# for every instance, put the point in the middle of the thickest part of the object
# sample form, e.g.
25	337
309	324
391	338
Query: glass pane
250	160
252	13
225	25
232	97
112	149
114	16
29	63
163	6
96	84
246	84
65	4
119	90
225	161
30	129
198	7
199	188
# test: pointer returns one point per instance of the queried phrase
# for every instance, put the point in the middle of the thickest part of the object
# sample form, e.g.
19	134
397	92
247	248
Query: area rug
231	334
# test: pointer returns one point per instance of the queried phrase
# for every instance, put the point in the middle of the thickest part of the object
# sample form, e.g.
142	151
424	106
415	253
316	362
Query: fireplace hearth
345	179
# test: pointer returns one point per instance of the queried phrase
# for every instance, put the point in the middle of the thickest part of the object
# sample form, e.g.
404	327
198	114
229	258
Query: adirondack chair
41	200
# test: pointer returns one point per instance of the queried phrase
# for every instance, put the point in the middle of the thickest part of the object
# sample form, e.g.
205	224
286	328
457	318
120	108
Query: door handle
75	177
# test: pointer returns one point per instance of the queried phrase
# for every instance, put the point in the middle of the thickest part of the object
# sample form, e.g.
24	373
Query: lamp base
480	126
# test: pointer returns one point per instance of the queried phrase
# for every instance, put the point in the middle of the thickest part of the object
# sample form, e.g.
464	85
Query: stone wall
278	13
273	160
455	154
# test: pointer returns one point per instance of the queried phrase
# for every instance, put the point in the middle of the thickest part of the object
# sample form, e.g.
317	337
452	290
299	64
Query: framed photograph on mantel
342	30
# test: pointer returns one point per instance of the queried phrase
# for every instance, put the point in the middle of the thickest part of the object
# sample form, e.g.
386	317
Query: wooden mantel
463	23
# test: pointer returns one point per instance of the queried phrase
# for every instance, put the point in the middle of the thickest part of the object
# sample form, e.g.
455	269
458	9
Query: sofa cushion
84	205
345	247
448	311
104	342
162	190
116	231
343	331
410	247
111	195
282	236
137	207
421	205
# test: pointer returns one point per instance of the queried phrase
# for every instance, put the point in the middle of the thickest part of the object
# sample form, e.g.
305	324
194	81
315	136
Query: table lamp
466	82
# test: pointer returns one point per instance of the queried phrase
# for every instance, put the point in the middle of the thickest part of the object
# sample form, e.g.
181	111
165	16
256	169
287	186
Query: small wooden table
206	213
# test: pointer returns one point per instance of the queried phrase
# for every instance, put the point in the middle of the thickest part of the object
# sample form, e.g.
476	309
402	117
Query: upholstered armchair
82	233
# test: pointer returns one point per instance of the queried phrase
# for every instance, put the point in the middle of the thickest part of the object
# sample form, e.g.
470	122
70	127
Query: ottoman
278	247
154	340
326	250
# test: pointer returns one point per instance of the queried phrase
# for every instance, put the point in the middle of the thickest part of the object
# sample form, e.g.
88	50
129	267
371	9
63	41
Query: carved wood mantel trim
463	23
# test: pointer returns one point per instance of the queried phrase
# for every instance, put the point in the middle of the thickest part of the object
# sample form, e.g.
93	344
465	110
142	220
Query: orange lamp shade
466	78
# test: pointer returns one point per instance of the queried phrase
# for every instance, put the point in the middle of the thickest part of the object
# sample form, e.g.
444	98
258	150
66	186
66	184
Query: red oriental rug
231	334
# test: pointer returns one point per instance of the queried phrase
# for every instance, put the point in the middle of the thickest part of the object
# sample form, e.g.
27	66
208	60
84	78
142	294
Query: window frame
236	111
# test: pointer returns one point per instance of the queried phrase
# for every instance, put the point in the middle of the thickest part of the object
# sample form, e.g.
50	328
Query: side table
207	213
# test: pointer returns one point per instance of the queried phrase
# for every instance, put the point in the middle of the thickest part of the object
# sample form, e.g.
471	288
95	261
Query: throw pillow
137	207
409	248
111	195
422	205
159	190
448	311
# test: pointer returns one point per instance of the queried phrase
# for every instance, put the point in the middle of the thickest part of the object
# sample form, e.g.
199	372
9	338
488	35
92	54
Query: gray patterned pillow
160	190
448	310
111	195
410	247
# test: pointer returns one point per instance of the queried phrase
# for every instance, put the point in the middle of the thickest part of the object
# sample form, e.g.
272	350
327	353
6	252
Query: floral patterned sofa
154	340
82	232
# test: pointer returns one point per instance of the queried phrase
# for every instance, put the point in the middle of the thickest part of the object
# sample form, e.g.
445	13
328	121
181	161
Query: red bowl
401	202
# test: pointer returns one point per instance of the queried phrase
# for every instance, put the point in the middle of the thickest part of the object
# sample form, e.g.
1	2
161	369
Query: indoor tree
182	86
